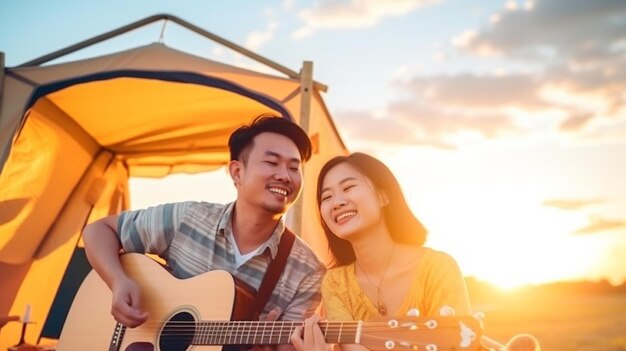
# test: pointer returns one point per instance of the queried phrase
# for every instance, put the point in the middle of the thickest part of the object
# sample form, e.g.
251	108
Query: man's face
271	178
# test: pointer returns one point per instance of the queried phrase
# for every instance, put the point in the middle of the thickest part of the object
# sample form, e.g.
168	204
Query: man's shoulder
199	208
183	206
201	205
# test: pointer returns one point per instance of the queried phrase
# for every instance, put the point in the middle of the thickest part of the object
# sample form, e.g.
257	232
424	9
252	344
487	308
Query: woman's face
349	204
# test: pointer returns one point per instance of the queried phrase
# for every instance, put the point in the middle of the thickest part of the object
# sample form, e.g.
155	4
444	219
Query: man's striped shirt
192	237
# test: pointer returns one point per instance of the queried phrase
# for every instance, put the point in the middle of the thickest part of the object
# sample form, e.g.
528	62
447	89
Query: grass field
561	322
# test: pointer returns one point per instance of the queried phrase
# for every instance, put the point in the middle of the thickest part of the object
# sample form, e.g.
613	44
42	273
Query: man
240	237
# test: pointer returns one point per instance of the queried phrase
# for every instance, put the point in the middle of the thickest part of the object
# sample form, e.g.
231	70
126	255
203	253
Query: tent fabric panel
114	196
149	111
44	276
12	108
41	173
156	167
205	117
11	276
92	199
155	57
171	76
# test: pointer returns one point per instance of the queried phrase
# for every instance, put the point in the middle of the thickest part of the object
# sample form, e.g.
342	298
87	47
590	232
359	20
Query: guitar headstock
461	333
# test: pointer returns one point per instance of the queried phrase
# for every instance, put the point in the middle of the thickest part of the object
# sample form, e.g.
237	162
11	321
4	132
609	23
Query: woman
380	266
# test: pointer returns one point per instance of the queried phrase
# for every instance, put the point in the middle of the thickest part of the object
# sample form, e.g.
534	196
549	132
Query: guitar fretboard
267	333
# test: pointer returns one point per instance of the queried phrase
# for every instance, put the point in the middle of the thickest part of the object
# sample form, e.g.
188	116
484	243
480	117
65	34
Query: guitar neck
269	333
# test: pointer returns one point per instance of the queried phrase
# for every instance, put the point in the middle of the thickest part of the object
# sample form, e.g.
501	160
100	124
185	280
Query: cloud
365	125
349	14
302	33
417	123
441	108
575	122
571	204
556	29
579	48
256	39
287	5
598	224
476	91
567	64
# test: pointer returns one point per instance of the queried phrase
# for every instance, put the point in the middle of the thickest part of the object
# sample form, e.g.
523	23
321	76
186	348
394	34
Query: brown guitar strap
274	270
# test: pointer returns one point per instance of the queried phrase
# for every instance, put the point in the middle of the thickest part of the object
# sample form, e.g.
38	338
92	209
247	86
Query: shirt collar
225	226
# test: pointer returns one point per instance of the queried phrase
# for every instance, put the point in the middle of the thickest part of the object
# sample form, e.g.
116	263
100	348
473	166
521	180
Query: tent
71	135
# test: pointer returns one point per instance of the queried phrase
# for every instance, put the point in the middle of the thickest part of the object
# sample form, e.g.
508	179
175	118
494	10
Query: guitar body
90	325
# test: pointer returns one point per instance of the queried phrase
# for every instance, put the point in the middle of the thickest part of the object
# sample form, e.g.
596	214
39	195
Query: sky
504	121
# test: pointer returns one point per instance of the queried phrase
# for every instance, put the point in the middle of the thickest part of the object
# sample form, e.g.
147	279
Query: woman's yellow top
437	282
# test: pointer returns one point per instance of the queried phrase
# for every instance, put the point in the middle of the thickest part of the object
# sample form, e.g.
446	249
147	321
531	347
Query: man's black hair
241	138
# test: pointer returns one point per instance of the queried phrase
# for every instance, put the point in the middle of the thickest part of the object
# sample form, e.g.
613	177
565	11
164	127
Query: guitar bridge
118	335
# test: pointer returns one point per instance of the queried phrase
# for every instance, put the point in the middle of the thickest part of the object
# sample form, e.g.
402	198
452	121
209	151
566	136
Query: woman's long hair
402	224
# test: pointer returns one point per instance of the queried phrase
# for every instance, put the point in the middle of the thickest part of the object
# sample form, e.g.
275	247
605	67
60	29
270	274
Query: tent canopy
71	135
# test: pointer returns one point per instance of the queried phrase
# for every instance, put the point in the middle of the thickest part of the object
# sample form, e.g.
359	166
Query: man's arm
102	247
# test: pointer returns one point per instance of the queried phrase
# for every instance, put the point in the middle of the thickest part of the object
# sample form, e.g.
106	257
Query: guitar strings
277	324
200	327
367	340
284	330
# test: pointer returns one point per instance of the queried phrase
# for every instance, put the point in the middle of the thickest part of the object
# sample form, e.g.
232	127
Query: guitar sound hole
178	332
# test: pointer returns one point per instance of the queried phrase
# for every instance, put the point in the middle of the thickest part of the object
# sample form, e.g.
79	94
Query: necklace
380	306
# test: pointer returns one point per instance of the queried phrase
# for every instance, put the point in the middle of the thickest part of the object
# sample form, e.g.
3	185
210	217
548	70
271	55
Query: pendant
382	309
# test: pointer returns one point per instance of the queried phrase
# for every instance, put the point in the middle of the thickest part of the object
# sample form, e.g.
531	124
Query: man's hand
520	342
523	342
309	338
126	306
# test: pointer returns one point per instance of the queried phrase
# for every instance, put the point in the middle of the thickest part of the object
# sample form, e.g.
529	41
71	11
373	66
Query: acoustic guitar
196	314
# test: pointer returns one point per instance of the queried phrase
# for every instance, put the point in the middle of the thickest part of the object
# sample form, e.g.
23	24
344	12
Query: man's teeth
279	191
345	215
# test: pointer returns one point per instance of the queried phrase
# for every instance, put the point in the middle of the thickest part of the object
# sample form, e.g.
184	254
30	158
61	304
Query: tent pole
97	39
243	51
1	78
191	27
306	91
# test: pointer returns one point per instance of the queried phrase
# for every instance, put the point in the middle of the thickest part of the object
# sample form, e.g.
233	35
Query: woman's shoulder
340	271
432	258
339	276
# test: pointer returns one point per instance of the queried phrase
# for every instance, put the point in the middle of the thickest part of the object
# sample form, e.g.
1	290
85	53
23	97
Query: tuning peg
447	311
431	347
479	315
413	312
408	345
390	344
432	324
